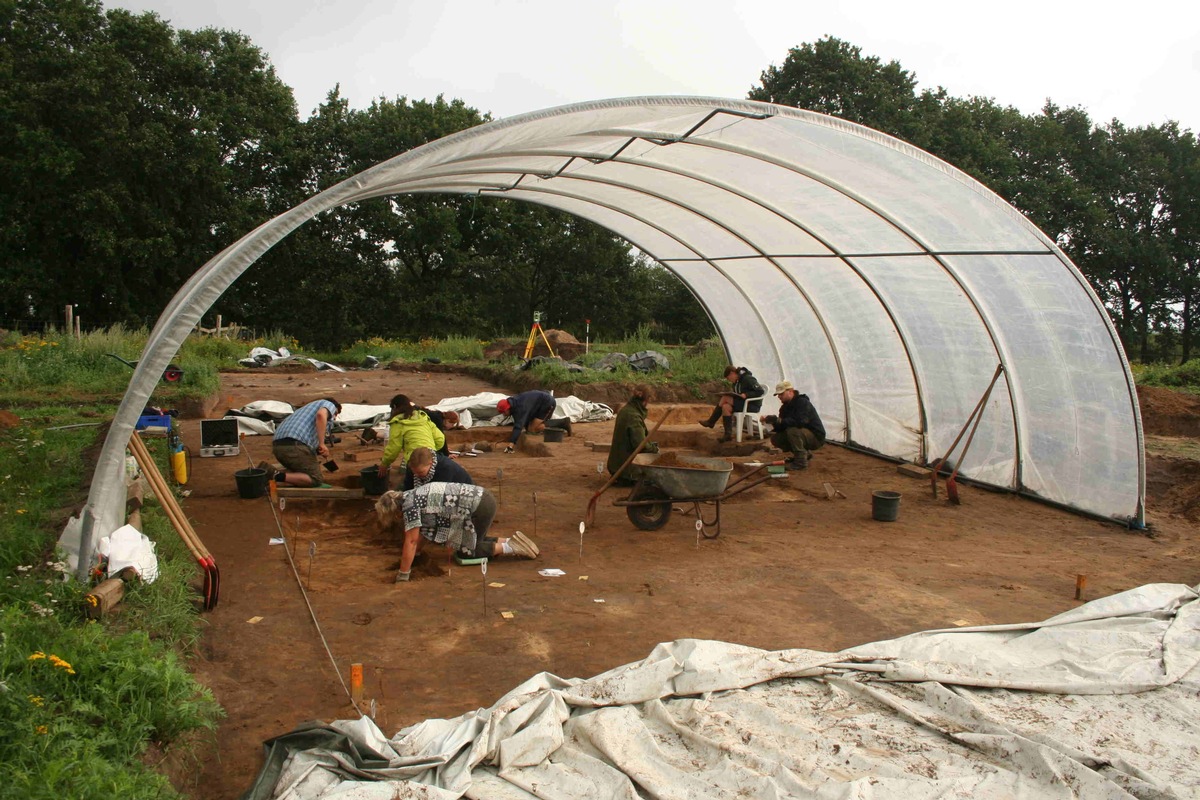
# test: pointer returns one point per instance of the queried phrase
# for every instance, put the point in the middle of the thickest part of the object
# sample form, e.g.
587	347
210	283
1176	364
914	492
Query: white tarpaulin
1100	702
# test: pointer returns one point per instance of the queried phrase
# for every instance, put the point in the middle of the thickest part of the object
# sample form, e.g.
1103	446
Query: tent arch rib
759	201
800	227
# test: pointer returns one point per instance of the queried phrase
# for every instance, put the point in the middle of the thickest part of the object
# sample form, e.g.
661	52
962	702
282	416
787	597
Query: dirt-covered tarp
1100	702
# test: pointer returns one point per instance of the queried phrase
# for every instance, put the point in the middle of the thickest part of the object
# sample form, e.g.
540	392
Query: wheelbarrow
172	374
684	479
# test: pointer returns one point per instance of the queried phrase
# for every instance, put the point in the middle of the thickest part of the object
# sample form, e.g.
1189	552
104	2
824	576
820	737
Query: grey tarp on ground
1100	702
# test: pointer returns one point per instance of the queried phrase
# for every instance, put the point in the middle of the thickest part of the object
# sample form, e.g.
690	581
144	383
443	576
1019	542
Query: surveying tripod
533	334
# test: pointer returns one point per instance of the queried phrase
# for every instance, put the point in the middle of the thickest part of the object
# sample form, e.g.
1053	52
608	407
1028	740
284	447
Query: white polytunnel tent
884	283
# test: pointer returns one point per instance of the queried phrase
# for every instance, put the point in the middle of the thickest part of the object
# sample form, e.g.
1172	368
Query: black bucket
885	506
372	481
251	483
552	435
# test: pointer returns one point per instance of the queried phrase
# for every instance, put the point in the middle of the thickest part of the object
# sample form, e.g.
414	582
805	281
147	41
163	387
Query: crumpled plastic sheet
1100	702
129	547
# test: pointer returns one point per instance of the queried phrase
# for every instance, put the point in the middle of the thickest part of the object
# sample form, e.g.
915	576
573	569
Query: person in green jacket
628	432
409	428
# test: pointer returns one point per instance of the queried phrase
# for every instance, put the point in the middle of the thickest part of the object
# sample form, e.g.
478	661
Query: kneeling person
798	429
425	466
454	515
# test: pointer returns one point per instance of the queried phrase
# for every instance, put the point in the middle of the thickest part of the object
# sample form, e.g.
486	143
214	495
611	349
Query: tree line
1123	203
131	152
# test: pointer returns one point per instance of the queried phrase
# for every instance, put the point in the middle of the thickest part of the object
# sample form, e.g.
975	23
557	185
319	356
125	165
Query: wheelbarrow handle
130	364
591	509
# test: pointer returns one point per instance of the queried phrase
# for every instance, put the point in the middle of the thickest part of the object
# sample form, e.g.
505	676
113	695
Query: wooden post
69	311
218	326
78	328
1080	585
356	683
101	600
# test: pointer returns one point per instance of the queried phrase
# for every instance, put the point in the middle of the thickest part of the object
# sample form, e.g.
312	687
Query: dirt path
788	570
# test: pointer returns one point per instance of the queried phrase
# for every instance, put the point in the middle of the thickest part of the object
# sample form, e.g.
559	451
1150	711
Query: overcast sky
1139	64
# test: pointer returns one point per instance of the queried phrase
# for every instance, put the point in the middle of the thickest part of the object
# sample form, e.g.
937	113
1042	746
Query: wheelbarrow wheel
650	517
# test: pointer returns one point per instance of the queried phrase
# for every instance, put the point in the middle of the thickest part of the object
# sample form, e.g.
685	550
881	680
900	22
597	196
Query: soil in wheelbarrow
790	569
673	459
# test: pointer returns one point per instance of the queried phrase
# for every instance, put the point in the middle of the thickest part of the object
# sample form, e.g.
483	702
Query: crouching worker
628	432
798	429
300	444
531	411
425	466
454	515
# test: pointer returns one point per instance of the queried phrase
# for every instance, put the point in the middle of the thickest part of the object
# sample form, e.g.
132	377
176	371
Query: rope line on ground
311	612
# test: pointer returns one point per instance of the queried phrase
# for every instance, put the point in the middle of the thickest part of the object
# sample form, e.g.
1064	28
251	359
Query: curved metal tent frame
883	282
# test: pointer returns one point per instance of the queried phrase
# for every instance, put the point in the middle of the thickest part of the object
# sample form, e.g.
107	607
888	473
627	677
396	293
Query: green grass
1185	377
455	349
80	701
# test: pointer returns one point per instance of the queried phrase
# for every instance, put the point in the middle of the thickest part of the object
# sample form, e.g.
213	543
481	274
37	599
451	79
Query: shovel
976	415
591	508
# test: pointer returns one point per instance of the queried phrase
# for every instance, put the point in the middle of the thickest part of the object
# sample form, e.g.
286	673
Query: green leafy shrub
1184	376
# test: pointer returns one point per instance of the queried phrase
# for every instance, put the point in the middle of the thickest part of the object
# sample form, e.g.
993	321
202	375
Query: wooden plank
913	471
135	494
101	600
336	493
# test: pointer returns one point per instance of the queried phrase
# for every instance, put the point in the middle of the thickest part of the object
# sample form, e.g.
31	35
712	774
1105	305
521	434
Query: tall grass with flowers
90	367
451	350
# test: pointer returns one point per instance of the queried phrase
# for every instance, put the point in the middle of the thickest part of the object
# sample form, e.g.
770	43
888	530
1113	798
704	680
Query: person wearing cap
798	428
454	515
300	442
531	411
746	388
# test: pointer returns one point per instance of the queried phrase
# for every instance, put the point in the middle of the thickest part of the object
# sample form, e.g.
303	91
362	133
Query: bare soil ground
789	569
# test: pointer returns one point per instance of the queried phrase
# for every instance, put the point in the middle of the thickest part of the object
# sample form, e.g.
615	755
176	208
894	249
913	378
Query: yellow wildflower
22	511
37	701
61	664
37	655
42	730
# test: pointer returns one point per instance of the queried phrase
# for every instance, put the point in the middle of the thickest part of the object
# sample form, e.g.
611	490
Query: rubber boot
712	418
728	435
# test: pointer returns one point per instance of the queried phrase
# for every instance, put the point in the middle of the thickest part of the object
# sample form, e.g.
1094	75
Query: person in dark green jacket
628	432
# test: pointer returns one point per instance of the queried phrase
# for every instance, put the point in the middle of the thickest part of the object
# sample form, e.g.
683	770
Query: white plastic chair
749	421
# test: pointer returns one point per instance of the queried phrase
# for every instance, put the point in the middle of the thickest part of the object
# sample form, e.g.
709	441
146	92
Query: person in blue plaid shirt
300	446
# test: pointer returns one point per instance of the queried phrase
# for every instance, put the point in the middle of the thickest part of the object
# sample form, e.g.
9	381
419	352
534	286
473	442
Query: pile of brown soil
565	346
1173	486
1166	412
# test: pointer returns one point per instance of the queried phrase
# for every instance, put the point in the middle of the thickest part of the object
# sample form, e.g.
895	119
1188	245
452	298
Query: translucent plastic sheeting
932	281
885	412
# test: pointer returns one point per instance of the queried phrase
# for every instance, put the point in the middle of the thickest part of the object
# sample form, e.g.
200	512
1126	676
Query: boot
728	435
562	424
712	418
